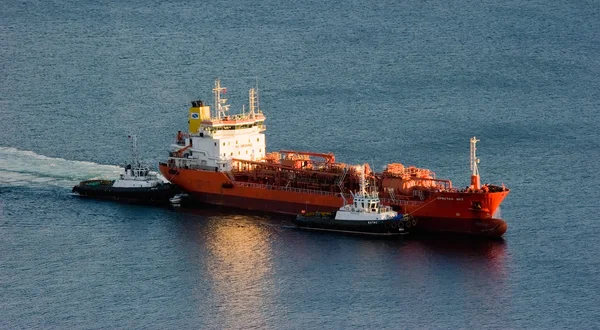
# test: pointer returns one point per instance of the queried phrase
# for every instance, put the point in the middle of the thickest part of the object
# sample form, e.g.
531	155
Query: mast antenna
134	150
475	181
363	188
220	102
257	97
253	102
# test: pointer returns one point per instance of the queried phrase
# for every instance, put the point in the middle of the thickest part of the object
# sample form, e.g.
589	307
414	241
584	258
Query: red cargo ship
222	160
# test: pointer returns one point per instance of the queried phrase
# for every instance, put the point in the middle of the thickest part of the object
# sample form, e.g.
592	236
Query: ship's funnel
198	113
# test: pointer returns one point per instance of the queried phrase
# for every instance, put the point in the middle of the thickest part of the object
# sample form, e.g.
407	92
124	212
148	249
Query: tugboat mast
363	188
134	150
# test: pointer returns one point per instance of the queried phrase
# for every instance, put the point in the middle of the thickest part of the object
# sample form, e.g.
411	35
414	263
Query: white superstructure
215	140
138	175
365	205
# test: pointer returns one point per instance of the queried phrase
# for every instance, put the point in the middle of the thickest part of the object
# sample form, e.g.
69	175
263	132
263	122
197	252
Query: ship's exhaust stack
198	113
475	180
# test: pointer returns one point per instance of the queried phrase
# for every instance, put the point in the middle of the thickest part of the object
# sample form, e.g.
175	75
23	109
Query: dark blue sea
371	81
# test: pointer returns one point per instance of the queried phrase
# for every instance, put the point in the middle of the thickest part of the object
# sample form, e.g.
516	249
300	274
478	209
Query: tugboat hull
103	189
327	221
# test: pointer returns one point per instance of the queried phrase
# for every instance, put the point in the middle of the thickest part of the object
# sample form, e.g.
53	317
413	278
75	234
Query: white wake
26	168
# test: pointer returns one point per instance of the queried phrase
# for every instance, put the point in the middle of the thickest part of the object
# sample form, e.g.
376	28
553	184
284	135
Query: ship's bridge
215	126
213	141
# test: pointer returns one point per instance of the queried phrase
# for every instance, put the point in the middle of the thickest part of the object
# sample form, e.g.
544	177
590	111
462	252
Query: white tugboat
365	215
136	184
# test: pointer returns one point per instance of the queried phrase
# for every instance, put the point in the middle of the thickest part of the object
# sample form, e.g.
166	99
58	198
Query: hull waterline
216	188
158	195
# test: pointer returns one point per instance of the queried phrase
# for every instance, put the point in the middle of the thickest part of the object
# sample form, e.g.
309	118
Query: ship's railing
388	201
468	190
292	189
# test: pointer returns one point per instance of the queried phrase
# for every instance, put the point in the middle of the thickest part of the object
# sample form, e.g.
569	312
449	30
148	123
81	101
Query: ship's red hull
449	212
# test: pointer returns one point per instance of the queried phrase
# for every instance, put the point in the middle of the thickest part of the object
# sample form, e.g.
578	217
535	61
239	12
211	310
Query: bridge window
223	144
257	139
215	144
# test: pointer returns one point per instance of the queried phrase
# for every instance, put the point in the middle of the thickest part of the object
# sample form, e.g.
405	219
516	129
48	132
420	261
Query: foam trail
26	168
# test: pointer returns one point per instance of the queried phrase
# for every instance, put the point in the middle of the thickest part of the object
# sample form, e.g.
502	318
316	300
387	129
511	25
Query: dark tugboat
364	216
136	184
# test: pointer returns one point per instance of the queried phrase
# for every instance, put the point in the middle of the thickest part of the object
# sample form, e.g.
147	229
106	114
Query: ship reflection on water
473	249
239	267
254	269
471	273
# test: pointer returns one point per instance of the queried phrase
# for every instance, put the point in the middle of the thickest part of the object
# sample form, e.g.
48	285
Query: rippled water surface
375	82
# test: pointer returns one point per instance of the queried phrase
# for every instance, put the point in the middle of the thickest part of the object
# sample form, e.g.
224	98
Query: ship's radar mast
220	103
363	184
134	150
365	188
475	181
253	102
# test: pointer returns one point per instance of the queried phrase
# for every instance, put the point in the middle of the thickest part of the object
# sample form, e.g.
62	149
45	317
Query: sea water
375	82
